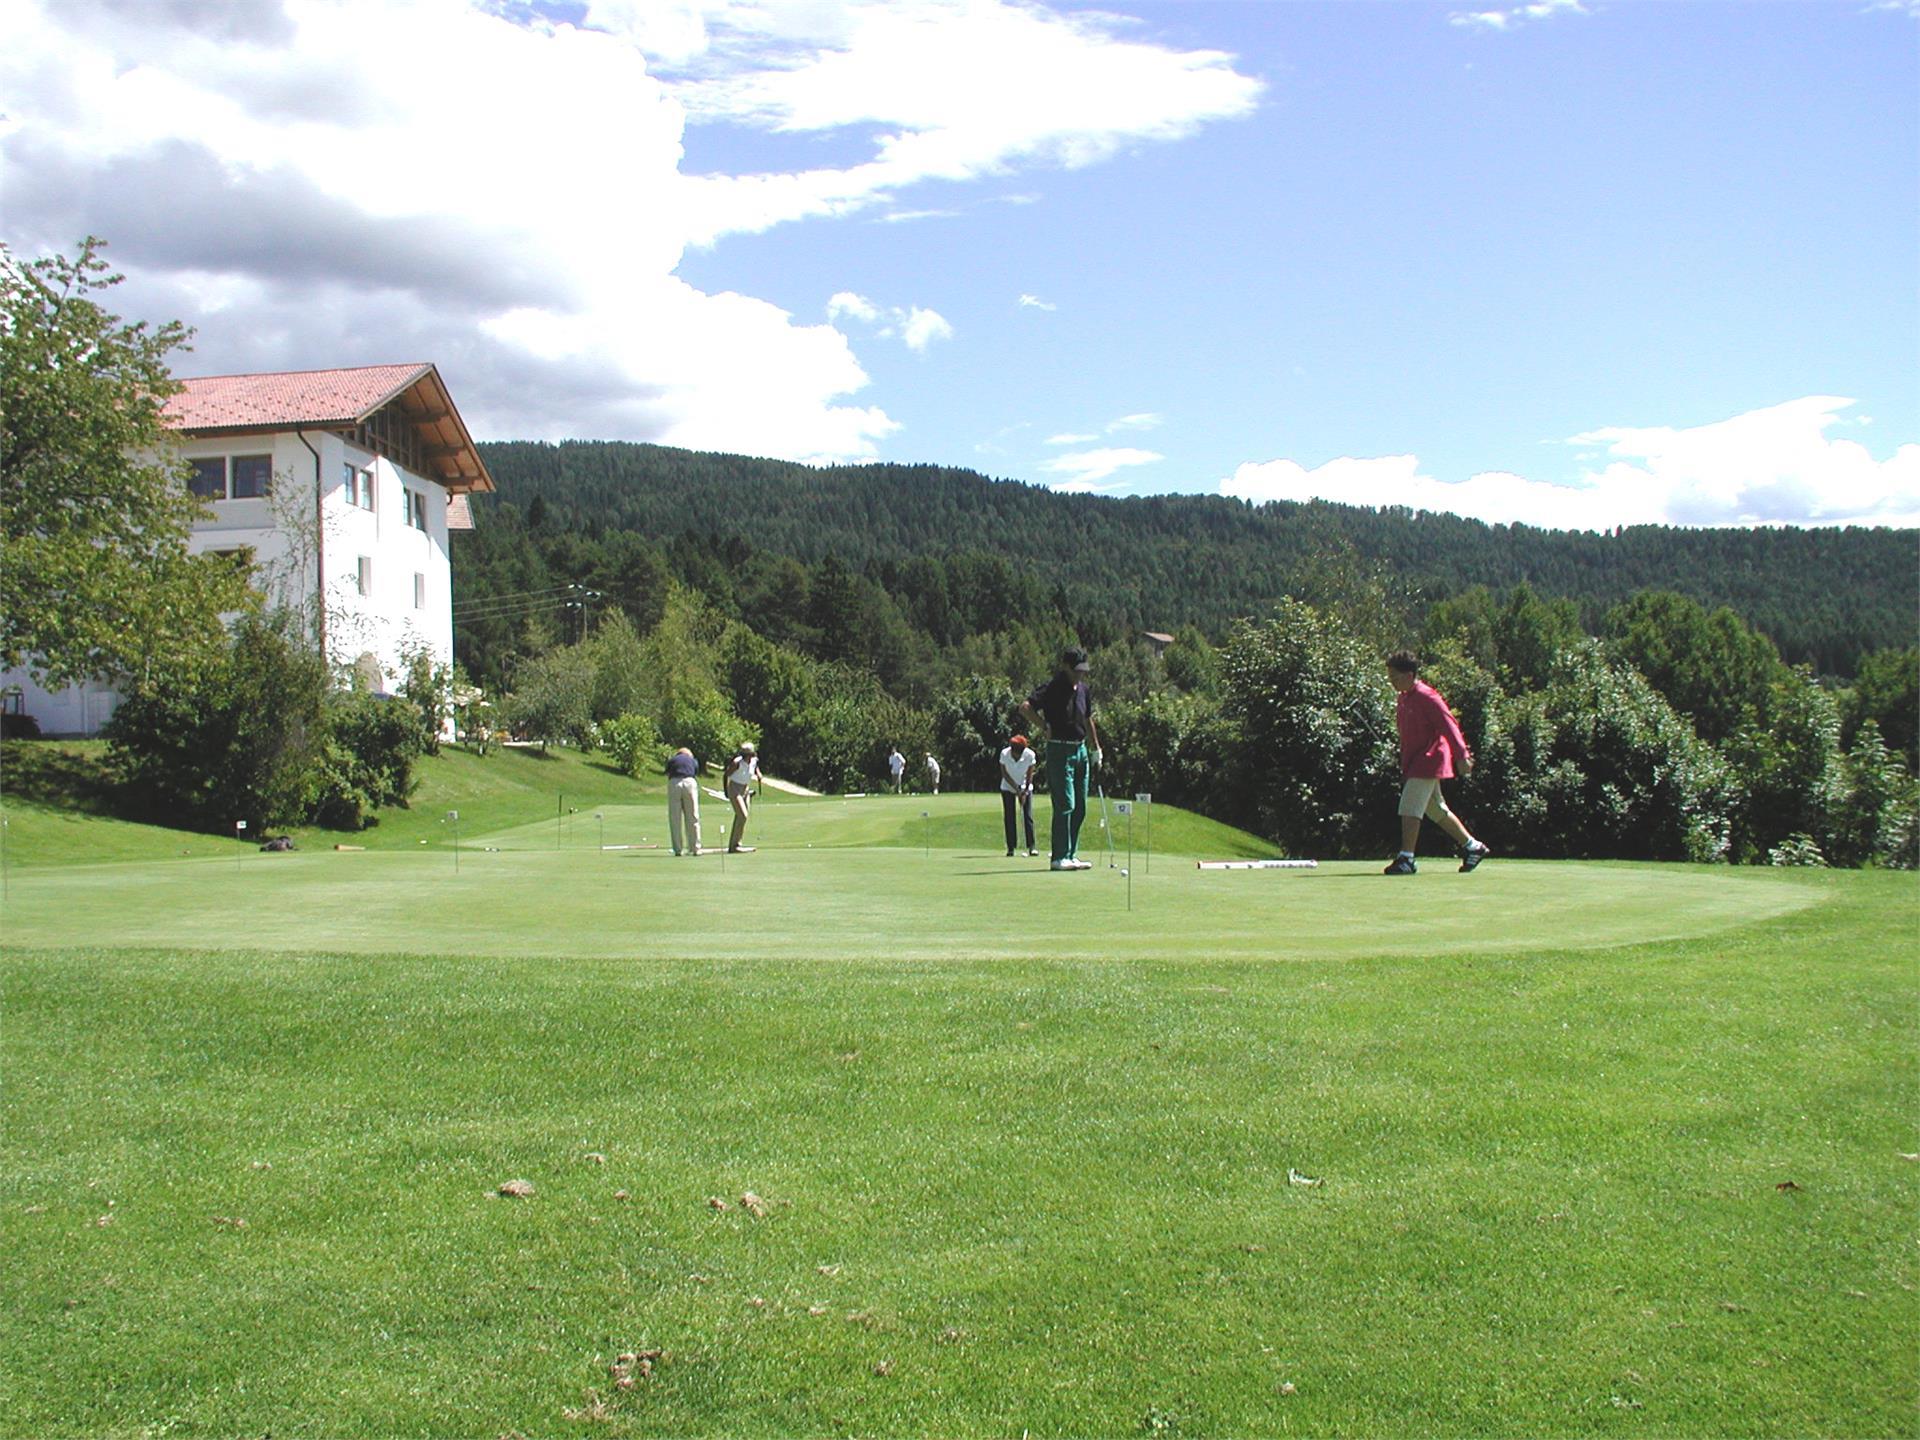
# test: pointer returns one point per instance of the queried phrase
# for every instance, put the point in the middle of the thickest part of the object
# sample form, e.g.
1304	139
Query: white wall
384	624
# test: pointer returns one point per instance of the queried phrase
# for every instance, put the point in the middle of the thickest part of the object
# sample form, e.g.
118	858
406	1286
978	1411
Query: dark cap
1074	658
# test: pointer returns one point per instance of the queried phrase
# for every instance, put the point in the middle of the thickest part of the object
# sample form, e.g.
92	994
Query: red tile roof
297	397
336	400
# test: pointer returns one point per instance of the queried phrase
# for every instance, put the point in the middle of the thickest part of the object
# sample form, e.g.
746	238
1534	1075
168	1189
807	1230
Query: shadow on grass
48	772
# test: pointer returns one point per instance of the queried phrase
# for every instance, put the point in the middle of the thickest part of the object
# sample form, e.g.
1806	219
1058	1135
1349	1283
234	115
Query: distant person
933	773
1430	742
1064	707
743	781
683	799
1016	787
897	768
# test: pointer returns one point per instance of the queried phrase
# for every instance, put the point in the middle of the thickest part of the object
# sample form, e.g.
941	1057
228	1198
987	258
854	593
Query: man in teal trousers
1063	708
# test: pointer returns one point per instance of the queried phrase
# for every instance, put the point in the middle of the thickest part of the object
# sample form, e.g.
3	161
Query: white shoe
1079	865
1062	865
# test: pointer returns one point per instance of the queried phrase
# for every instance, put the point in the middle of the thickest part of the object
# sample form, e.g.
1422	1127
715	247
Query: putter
1105	828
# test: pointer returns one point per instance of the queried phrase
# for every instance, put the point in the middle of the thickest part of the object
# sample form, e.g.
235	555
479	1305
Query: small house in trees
338	488
1156	641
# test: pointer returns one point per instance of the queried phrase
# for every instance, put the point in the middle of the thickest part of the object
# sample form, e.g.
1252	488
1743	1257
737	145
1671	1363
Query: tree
1712	668
1790	765
94	508
621	684
238	738
1886	690
1317	752
552	696
971	725
1876	818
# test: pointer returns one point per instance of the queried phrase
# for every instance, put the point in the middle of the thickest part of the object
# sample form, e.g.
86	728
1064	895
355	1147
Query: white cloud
1034	302
1143	421
951	89
1069	438
917	327
1766	466
1085	469
907	217
1516	15
858	307
307	197
1771	466
923	327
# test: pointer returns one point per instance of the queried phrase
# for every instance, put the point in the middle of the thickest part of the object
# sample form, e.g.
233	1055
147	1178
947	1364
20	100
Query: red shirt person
1432	748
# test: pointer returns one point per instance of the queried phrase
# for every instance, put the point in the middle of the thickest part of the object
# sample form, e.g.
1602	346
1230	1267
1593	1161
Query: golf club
1105	828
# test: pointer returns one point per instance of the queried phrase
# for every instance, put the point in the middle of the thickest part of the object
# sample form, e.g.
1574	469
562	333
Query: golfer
743	782
1064	707
1430	742
933	773
897	768
1016	785
683	799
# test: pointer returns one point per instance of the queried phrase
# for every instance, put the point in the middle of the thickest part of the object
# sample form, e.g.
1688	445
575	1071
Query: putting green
896	877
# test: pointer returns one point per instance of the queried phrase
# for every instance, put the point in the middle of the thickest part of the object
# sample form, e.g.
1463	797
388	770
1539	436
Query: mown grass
1028	1157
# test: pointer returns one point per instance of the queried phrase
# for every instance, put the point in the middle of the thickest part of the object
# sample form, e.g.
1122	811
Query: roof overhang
416	395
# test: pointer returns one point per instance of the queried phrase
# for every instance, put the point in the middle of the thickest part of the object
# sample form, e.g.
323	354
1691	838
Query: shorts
1422	798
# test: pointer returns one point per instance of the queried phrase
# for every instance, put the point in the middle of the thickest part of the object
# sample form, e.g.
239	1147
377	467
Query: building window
419	591
416	510
251	476
209	480
358	484
239	477
366	575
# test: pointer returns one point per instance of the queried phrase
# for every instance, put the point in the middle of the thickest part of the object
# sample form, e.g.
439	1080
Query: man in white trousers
683	799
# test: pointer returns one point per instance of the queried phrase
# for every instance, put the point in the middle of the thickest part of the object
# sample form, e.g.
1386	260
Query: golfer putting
743	780
1430	741
1063	707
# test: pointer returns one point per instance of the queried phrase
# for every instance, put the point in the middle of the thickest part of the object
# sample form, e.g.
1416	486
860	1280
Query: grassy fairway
1026	1155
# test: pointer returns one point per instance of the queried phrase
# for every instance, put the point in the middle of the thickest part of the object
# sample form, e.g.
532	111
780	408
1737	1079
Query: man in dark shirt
1063	707
683	798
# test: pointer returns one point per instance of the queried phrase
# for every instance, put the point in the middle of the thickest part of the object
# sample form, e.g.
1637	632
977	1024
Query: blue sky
1576	264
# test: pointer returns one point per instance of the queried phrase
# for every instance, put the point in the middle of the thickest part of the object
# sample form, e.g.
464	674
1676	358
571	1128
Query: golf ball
1123	869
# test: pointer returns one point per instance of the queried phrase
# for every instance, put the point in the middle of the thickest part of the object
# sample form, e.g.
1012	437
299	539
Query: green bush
238	739
633	742
367	761
700	720
1316	763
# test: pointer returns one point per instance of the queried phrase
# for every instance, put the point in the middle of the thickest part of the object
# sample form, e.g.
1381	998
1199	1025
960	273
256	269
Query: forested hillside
1825	597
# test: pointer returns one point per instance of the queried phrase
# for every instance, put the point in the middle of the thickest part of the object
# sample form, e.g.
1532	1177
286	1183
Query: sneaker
1472	856
1081	864
1063	865
1033	852
1009	854
1401	866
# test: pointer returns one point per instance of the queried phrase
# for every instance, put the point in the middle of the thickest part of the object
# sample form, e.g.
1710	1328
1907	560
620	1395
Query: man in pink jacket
1430	742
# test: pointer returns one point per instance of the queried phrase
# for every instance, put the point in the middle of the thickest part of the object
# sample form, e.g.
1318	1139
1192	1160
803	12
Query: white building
341	487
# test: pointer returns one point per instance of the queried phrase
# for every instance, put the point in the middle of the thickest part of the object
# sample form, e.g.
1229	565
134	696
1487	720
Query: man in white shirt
1016	783
897	768
933	773
743	778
